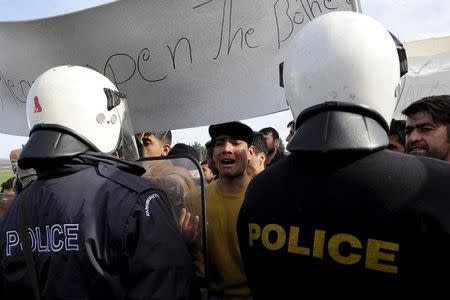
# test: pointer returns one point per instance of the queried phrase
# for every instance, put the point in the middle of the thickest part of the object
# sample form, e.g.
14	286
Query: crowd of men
358	203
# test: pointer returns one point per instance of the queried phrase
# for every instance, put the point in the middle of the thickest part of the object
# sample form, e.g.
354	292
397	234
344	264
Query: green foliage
5	174
201	149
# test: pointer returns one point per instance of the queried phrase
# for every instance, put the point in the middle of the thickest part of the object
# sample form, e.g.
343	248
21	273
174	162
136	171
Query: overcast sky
408	19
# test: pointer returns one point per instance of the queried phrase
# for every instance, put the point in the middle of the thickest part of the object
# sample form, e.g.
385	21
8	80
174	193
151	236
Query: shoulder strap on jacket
131	181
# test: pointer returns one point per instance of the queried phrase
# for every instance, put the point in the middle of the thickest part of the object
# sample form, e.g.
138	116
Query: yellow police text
379	255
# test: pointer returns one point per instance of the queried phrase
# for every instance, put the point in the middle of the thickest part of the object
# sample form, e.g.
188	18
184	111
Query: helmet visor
127	148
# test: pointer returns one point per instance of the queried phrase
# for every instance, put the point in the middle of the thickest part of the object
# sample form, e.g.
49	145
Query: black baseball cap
235	129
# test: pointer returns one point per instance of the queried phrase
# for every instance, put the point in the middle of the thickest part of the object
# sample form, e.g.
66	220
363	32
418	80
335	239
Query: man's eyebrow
220	139
420	125
228	137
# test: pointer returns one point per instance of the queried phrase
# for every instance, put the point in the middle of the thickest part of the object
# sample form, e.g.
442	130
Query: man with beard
427	127
273	142
232	151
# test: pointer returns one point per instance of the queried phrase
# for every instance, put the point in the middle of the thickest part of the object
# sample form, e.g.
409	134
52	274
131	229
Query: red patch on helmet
37	105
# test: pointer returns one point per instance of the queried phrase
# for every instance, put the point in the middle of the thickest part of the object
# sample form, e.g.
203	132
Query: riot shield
181	178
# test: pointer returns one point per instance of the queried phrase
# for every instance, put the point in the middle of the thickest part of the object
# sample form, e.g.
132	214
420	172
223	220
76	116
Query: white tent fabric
429	71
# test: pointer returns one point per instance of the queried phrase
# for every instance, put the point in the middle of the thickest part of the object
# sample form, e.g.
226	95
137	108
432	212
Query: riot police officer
343	216
89	226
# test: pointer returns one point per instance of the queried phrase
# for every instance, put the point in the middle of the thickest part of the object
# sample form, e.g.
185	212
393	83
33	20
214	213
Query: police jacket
98	231
349	224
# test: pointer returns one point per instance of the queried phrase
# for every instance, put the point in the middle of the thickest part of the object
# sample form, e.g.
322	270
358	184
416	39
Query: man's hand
188	228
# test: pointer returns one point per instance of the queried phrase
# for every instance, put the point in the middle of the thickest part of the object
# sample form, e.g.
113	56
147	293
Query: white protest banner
428	71
180	63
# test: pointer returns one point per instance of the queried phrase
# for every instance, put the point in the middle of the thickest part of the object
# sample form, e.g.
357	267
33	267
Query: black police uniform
98	231
351	224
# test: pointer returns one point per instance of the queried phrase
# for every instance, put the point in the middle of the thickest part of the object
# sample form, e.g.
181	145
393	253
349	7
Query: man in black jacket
94	228
342	216
273	144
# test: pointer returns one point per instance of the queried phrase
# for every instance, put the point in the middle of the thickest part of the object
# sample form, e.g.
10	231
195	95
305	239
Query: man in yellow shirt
233	149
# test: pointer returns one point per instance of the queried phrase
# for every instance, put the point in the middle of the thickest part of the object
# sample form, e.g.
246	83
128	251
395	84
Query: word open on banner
181	63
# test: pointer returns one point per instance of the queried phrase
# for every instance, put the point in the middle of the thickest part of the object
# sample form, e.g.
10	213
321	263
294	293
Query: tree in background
5	170
201	149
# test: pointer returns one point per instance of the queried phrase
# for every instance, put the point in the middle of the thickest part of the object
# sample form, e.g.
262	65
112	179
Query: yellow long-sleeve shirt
227	278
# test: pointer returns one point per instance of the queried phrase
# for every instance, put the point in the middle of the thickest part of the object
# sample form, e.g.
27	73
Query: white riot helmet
343	61
73	109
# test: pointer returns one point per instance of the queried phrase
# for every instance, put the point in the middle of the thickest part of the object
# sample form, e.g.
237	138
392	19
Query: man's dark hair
398	128
259	142
8	184
437	106
209	155
164	136
180	148
209	148
272	130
